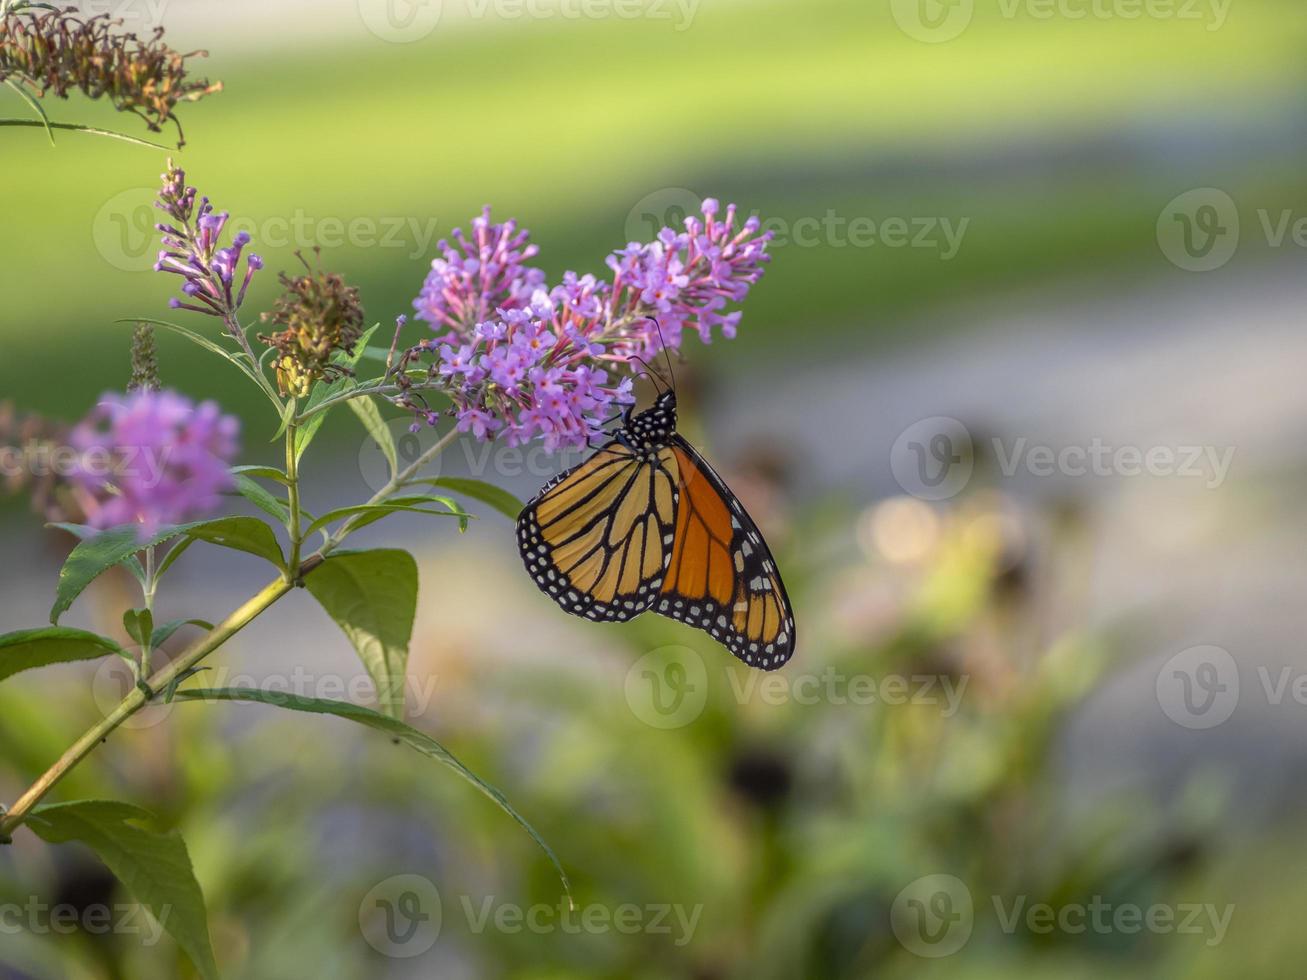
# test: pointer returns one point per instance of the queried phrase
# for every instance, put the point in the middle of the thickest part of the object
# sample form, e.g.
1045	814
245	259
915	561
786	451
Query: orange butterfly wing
616	536
597	539
721	577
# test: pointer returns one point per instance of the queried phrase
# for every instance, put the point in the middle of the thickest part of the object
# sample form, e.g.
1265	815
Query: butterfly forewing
598	539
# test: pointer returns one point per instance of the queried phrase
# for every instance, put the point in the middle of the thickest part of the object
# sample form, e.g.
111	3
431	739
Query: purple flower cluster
193	250
474	277
152	458
523	362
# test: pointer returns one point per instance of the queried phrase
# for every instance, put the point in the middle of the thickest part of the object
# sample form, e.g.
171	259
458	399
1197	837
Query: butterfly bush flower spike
152	458
477	275
214	281
523	362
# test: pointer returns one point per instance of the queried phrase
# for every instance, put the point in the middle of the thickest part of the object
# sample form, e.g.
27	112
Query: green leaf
91	130
368	413
164	632
99	552
248	534
261	498
139	624
154	867
371	513
32	101
322	391
175	552
239	359
500	499
393	727
84	531
52	645
309	429
373	597
263	472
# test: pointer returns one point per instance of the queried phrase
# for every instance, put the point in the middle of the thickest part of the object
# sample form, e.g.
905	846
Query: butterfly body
645	524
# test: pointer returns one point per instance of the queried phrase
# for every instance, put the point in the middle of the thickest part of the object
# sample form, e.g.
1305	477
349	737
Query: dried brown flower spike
57	51
321	316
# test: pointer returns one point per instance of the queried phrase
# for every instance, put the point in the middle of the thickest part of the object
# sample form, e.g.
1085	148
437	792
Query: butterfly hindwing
721	577
597	539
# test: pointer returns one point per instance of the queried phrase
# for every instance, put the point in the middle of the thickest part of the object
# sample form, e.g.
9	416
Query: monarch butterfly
646	524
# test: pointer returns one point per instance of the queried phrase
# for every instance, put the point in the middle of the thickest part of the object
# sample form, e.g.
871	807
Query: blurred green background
805	823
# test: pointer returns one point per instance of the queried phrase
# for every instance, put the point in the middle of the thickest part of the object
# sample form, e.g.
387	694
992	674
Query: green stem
136	699
362	392
293	497
148	589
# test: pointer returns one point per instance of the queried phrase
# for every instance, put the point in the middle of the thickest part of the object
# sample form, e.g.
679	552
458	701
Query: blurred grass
791	110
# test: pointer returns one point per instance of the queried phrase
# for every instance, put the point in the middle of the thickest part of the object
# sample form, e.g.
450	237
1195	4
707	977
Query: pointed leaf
393	727
372	596
51	645
498	498
164	632
99	552
154	867
248	534
368	413
261	498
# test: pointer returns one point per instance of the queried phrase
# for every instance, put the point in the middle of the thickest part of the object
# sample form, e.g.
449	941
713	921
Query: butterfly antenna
666	356
653	375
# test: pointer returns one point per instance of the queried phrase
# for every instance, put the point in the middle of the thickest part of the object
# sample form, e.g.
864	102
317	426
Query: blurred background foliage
793	825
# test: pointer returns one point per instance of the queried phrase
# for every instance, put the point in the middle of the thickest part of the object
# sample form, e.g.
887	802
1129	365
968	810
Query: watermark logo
1198	231
410	446
124	919
665	208
668	687
933	459
114	679
1199	687
942	234
481	460
136	15
123	230
400	21
124	233
933	21
401	916
933	916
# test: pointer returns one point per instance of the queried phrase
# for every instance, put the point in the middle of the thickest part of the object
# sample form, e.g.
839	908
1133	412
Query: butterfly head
652	428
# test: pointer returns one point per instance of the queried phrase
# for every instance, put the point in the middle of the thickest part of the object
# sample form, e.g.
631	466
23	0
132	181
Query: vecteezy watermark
114	679
1200	230
834	687
405	21
137	15
481	460
934	916
1199	687
124	919
143	464
124	234
402	917
936	21
933	459
668	688
670	206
